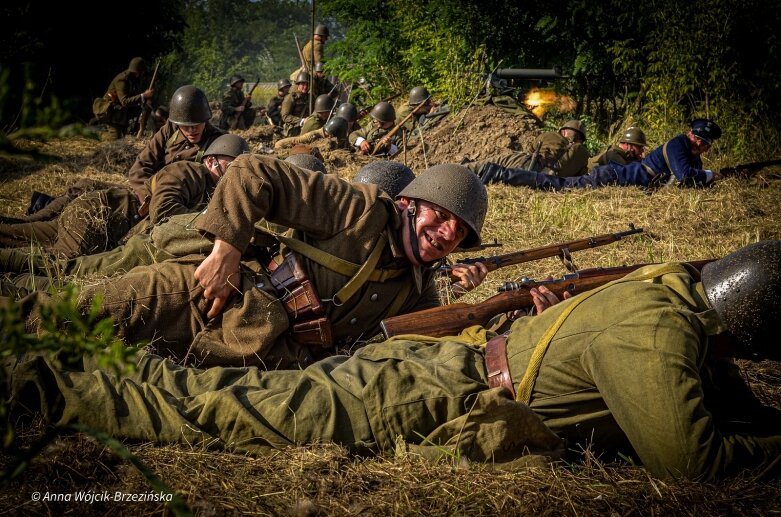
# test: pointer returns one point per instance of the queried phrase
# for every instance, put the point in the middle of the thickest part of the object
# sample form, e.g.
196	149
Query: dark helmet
745	289
163	110
323	103
307	161
321	30
575	125
706	130
418	95
302	77
137	65
337	127
319	66
283	83
633	135
456	189
189	106
384	112
235	79
227	145
391	177
347	111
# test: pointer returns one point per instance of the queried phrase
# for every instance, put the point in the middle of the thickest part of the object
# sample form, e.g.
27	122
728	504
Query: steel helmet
384	112
391	177
633	135
323	103
227	145
235	79
321	30
456	189
307	161
745	290
347	111
575	125
319	66
283	83
189	106
418	95
302	77
337	127
137	65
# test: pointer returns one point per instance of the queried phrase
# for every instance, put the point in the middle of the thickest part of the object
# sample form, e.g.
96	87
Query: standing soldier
274	108
323	107
295	107
123	99
233	106
630	148
316	45
366	139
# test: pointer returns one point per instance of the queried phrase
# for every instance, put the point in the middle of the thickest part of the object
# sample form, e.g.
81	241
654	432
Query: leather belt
496	365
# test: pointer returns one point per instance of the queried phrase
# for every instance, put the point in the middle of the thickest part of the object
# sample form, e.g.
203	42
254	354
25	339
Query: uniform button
374	297
353	321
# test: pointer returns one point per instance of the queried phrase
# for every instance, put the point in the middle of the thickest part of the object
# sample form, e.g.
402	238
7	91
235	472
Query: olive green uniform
612	154
372	134
319	49
295	108
232	99
167	146
164	302
625	368
412	123
307	137
312	123
123	101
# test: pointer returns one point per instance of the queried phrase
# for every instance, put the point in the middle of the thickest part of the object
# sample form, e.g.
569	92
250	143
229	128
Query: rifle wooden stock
234	124
147	106
387	138
554	250
449	320
745	170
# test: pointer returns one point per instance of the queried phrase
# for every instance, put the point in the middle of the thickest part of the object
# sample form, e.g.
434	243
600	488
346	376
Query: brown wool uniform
168	145
305	138
164	302
232	99
124	95
180	188
613	154
295	108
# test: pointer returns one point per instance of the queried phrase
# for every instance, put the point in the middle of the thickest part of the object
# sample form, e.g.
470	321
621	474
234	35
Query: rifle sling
526	385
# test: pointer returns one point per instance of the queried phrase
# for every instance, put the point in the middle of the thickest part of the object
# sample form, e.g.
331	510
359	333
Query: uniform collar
396	244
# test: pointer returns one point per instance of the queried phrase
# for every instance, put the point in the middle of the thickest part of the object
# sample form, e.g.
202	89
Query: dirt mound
476	133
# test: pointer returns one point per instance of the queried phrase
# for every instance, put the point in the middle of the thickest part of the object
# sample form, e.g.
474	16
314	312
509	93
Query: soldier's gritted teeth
439	232
193	133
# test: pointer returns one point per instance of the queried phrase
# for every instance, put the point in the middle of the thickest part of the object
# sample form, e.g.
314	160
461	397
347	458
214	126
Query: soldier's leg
22	235
59	203
137	251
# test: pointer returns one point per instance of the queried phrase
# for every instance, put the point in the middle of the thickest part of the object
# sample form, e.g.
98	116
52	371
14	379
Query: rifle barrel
529	73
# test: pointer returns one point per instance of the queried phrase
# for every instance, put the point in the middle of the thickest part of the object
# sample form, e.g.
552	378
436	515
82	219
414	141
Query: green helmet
384	112
633	135
347	111
575	125
418	95
307	161
283	83
137	65
323	103
745	290
391	177
337	127
321	30
227	145
302	77
456	189
235	79
189	106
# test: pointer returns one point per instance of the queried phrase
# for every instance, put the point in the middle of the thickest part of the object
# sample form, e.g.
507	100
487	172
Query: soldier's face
302	87
193	133
437	231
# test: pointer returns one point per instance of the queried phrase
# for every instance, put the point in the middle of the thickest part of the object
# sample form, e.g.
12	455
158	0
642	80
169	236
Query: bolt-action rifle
147	106
234	124
561	250
745	170
449	320
385	140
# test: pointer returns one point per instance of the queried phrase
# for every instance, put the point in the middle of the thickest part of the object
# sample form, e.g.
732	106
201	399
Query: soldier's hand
365	147
469	276
544	298
239	109
219	275
148	93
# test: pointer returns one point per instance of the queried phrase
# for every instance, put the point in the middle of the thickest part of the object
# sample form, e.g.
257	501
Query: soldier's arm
150	160
124	94
178	190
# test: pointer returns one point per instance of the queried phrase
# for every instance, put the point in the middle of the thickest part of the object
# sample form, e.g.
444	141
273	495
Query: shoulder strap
172	138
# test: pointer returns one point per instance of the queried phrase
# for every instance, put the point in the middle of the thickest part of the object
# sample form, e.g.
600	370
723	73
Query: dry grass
679	224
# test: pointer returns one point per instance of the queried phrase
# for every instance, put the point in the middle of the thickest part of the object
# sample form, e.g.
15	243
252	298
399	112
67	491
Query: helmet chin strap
412	211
